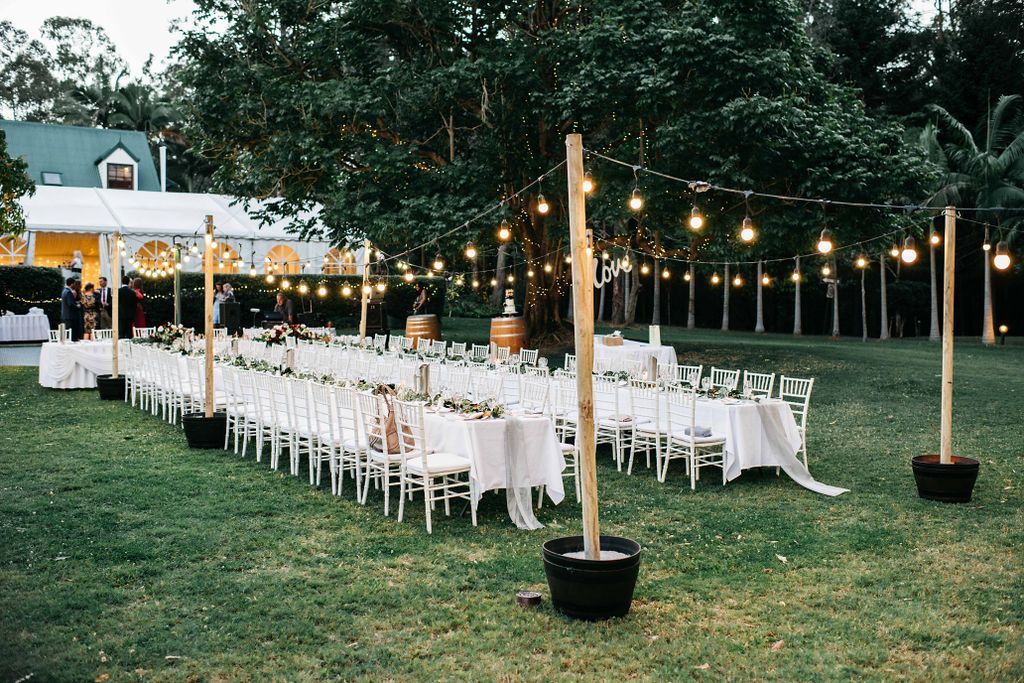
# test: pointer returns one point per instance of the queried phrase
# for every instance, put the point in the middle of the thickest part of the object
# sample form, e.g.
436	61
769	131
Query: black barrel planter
205	432
591	589
952	483
111	388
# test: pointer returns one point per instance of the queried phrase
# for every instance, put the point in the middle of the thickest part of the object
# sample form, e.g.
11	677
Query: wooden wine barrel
425	326
510	332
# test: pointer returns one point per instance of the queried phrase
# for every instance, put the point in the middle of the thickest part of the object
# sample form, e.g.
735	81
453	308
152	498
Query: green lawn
125	554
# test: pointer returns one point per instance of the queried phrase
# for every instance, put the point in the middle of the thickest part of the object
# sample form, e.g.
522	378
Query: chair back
423	345
529	356
373	419
570	363
797	393
488	386
300	412
501	354
103	335
457	349
646	400
410	419
458	381
533	395
758	383
55	335
439	348
730	379
142	332
480	353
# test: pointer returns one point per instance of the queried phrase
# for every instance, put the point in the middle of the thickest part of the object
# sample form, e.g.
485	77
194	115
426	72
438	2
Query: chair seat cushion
439	463
678	435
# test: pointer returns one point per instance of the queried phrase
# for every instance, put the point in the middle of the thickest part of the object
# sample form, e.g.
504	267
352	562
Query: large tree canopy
402	119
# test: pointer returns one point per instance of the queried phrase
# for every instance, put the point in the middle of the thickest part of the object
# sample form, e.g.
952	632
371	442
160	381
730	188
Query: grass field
124	555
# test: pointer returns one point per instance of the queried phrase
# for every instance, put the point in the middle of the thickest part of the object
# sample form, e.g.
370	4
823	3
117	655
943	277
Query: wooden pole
583	317
177	283
798	326
365	291
864	304
759	324
115	306
208	299
946	439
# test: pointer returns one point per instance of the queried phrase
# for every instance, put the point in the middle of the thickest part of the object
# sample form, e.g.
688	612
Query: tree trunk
988	332
883	332
633	278
656	272
600	304
798	327
759	325
691	314
498	292
727	283
835	301
618	298
934	334
863	306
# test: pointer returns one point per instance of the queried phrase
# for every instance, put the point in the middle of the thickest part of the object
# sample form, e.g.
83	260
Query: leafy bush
22	287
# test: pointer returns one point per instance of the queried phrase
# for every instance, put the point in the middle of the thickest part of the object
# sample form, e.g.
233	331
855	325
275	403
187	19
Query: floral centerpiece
168	333
279	333
486	409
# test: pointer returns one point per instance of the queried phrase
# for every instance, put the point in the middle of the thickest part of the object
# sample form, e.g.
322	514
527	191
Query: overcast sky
142	27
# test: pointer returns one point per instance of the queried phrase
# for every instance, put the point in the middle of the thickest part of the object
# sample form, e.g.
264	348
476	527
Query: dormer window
120	176
52	178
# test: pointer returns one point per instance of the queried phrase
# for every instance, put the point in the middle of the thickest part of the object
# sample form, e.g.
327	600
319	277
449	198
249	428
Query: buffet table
74	365
24	328
632	350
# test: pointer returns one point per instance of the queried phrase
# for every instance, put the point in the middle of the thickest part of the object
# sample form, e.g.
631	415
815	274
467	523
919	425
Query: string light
303	288
382	286
321	291
194	248
826	270
861	262
475	283
270	278
894	251
286	283
696	221
529	273
547	268
665	274
470	251
765	280
1002	257
408	276
505	230
934	238
795	277
494	282
510	279
737	281
747	232
909	253
986	246
636	200
715	279
825	241
686	276
346	291
644	269
542	205
588	183
367	289
438	262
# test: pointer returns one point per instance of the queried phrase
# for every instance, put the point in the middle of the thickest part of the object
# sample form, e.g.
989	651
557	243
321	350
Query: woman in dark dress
90	310
140	316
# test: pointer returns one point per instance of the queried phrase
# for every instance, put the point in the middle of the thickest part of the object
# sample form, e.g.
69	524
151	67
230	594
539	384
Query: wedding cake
510	304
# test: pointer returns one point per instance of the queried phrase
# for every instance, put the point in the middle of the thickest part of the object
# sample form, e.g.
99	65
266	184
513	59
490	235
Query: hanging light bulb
624	262
636	200
644	269
286	283
194	248
408	276
605	255
795	277
367	289
459	281
826	270
665	273
470	251
861	262
547	268
895	251
346	290
686	276
986	246
542	205
765	280
438	262
747	233
382	286
475	283
715	279
493	282
825	241
321	291
588	183
303	288
909	252
252	269
568	259
186	259
737	281
696	218
177	266
213	244
529	273
505	230
934	238
270	278
510	279
1002	257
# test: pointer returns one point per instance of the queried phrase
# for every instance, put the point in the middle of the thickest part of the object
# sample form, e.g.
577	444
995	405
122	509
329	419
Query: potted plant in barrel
944	476
206	429
590	576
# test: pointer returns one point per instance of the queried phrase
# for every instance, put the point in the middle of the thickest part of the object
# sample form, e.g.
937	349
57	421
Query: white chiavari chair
303	434
488	386
382	466
280	409
407	345
380	341
323	415
797	393
480	353
395	342
352	451
142	332
613	415
699	446
458	381
634	367
436	474
248	422
439	348
758	383
501	354
534	395
728	379
267	417
529	356
457	350
55	335
102	335
649	427
423	345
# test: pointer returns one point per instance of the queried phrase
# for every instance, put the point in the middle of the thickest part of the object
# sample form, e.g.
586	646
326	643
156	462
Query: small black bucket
591	589
205	432
111	388
952	483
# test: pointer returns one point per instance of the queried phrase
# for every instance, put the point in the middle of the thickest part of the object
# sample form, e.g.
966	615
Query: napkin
698	431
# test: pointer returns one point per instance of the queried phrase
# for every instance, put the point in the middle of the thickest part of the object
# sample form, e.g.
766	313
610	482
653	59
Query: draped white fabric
632	350
74	365
14	328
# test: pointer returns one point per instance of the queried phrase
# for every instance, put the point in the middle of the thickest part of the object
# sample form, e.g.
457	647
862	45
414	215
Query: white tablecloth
24	328
512	454
632	350
74	365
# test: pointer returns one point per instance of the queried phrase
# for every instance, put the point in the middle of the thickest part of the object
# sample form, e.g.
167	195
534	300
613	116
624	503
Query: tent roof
80	209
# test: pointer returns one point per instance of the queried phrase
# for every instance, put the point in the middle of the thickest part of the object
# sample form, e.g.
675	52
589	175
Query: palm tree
988	176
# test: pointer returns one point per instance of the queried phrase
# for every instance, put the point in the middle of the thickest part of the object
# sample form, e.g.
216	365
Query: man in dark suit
286	308
126	301
71	309
106	305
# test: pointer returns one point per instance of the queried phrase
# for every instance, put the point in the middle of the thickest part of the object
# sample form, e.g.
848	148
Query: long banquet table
632	350
31	327
74	365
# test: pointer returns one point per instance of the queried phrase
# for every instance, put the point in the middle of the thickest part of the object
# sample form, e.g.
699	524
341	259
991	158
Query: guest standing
127	302
90	310
106	305
218	298
286	308
70	309
140	315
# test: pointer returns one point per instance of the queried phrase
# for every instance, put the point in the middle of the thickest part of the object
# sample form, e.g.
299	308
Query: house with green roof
73	156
